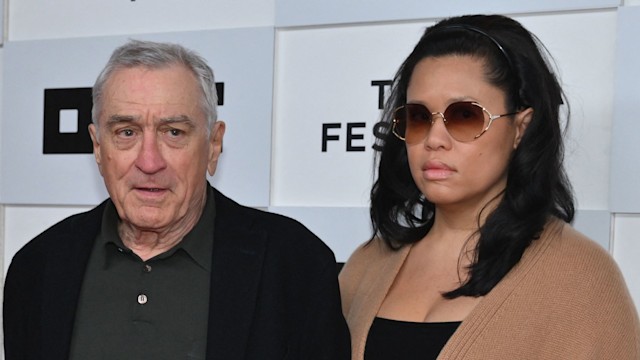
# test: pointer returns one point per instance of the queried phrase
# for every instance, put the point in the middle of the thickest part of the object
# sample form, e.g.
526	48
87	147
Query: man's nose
150	158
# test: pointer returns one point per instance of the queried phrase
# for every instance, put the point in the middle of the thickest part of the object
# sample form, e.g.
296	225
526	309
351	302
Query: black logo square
56	141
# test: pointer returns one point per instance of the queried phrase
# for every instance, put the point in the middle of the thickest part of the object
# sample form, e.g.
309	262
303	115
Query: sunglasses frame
444	119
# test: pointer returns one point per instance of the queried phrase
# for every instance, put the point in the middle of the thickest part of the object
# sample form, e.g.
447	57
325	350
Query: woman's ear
522	121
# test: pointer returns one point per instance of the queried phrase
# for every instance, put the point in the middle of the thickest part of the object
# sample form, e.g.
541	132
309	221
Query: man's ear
93	132
215	146
523	118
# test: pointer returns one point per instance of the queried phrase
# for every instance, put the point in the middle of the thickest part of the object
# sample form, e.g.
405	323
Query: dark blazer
274	289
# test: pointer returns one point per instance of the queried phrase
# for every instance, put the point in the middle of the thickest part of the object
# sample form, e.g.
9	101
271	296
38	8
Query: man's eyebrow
177	119
116	119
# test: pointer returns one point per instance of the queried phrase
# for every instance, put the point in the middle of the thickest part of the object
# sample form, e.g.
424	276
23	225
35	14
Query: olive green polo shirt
154	309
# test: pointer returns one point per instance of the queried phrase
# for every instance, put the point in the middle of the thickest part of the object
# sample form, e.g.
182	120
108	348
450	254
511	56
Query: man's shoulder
75	226
281	231
67	241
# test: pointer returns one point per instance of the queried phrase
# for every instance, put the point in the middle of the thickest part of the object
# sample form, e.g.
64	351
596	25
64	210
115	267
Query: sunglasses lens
465	120
413	122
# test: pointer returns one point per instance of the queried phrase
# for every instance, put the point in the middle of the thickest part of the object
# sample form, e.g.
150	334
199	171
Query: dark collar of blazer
237	262
238	254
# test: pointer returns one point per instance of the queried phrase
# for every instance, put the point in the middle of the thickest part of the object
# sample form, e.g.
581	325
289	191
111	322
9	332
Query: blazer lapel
64	274
238	254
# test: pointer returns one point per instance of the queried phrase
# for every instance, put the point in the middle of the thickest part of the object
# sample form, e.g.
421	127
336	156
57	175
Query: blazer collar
238	255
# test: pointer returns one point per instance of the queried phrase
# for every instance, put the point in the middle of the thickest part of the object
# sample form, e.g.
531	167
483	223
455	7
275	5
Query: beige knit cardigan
565	299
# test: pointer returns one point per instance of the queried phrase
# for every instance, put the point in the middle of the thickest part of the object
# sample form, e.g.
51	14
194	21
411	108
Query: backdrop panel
1	21
596	224
36	19
45	85
625	146
313	12
626	250
330	83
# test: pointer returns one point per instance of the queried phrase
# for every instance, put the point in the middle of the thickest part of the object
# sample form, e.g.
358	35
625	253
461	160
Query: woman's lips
436	170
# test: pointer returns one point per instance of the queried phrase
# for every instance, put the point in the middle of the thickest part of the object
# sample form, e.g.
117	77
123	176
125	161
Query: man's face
152	146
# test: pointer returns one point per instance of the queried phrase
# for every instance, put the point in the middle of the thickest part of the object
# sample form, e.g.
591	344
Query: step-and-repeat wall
302	83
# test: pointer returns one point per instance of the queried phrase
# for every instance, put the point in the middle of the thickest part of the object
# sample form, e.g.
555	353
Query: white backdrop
625	152
37	19
314	12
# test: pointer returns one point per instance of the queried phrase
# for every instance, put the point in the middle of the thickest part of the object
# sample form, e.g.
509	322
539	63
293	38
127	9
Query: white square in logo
68	121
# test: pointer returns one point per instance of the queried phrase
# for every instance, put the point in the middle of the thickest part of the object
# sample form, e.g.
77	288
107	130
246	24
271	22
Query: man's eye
175	132
126	132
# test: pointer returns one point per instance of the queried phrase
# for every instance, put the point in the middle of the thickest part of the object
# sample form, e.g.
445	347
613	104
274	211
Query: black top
400	340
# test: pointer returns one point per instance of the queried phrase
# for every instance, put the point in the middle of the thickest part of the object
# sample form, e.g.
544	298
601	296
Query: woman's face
450	173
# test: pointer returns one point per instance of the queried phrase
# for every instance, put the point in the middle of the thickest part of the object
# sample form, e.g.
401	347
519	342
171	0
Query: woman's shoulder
580	268
575	281
571	249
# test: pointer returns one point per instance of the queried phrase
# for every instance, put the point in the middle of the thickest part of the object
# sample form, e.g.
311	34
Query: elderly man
168	267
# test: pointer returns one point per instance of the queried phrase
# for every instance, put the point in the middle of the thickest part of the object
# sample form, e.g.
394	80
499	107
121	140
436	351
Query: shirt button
142	299
147	268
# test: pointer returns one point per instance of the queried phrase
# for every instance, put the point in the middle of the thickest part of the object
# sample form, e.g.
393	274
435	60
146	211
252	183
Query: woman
472	255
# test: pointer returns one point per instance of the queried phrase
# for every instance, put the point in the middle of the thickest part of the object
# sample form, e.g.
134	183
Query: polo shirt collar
198	243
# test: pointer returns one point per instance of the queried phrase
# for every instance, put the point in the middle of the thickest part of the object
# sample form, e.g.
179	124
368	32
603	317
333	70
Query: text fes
379	129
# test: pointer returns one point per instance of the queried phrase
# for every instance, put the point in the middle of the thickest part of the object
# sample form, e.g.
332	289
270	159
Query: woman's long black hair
537	186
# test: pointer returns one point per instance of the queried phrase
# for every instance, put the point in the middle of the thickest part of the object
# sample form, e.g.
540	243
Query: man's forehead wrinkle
120	99
117	118
182	118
